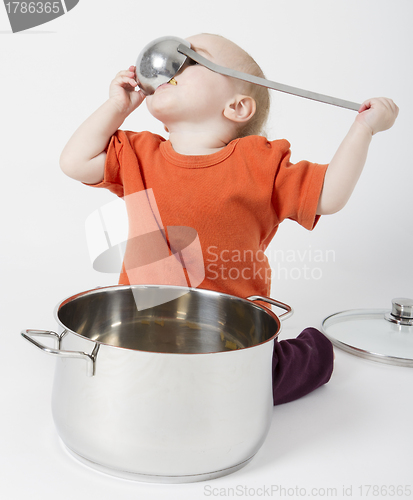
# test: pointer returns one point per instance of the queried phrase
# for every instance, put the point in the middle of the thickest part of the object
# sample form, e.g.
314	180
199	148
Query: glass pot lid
377	334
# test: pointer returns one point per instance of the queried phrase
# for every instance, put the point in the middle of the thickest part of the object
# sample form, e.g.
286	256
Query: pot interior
201	321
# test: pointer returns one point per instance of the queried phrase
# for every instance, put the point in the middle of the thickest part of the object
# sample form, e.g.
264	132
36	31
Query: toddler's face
200	95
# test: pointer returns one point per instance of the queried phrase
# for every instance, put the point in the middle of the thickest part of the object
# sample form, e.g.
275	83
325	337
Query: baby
218	175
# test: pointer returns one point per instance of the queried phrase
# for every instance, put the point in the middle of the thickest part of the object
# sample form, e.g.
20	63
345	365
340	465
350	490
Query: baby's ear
240	109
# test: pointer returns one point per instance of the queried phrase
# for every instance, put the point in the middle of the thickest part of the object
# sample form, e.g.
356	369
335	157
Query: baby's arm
345	168
83	157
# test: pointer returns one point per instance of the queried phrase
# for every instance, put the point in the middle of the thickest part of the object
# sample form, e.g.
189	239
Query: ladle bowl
161	59
158	62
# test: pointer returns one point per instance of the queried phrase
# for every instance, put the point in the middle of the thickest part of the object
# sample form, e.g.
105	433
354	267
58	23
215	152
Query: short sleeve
112	177
297	189
120	156
125	154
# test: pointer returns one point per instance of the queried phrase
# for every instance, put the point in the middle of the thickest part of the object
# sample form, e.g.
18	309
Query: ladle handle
266	83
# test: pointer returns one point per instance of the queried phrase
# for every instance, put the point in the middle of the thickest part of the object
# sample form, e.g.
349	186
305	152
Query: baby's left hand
378	114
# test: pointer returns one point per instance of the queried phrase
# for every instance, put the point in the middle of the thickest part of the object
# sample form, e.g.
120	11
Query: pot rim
198	290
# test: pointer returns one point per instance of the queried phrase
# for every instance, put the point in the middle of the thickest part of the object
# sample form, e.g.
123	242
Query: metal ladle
162	58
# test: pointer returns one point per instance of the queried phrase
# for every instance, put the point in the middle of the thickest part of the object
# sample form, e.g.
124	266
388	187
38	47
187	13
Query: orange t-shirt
234	199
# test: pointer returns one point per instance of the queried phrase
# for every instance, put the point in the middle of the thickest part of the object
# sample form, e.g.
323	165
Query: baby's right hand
122	91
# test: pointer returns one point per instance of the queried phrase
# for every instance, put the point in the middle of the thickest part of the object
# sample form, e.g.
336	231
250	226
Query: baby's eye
191	62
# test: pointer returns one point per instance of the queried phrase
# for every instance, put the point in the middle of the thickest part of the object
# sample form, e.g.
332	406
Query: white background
354	431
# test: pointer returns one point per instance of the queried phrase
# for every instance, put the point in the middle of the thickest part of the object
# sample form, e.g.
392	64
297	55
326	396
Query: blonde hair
261	95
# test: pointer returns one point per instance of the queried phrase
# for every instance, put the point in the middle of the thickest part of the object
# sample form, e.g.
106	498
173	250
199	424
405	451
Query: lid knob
402	308
401	311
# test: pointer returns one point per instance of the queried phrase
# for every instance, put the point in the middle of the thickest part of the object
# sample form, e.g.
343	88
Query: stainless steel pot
175	393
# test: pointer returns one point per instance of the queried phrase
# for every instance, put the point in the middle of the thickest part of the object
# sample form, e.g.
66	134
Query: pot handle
274	302
90	358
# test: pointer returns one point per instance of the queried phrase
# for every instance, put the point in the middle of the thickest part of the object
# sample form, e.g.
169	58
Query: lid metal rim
378	358
362	353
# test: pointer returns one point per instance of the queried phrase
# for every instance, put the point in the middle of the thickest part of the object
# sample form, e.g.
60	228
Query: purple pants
301	365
